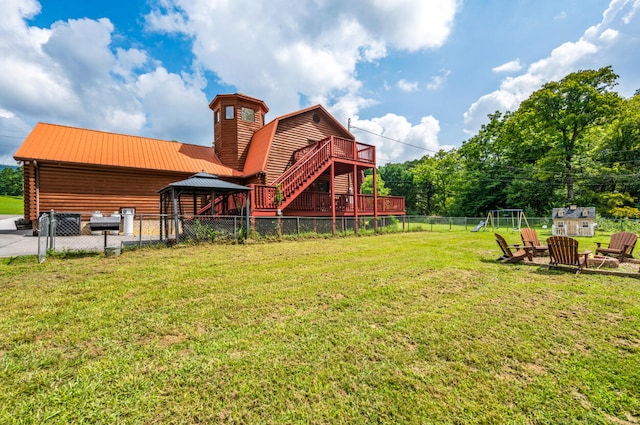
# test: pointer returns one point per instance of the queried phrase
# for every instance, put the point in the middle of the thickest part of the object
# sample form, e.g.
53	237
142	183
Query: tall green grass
412	328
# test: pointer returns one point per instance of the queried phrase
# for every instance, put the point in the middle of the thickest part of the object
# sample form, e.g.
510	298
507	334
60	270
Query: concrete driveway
15	243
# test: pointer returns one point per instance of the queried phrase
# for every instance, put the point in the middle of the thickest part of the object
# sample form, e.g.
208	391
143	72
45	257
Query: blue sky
425	73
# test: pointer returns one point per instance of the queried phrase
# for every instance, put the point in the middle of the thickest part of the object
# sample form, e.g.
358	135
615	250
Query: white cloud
588	52
401	141
181	98
407	86
513	66
71	74
438	81
313	50
609	35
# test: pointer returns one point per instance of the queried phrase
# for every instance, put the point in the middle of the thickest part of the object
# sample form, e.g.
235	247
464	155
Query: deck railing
320	202
340	148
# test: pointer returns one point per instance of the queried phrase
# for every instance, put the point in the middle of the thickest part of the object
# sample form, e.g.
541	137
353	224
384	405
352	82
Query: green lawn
12	205
412	328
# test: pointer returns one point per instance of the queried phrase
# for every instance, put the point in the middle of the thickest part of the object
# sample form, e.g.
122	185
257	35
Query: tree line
11	181
574	141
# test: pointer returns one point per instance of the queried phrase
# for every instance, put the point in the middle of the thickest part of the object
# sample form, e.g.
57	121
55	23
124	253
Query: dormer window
248	114
229	113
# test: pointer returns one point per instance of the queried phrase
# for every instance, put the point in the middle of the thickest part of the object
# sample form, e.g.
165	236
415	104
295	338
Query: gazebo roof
205	182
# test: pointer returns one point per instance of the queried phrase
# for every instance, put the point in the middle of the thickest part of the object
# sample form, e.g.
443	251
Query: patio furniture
530	238
564	250
509	256
621	245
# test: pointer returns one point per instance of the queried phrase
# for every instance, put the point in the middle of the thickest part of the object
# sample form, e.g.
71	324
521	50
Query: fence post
52	230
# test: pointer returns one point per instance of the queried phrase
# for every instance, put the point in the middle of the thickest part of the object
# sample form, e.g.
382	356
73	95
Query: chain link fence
72	232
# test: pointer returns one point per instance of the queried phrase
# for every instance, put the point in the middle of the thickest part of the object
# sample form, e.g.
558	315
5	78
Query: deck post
375	201
354	193
333	194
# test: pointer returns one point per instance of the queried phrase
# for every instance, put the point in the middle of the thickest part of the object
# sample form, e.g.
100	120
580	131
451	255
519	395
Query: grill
105	225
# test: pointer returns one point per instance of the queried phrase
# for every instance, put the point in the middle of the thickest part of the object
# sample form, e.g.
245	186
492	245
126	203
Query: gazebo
201	195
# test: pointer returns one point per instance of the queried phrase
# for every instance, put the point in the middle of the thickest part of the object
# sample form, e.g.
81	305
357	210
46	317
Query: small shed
574	221
201	195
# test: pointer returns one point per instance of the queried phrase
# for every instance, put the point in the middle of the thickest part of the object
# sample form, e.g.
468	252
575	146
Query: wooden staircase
304	171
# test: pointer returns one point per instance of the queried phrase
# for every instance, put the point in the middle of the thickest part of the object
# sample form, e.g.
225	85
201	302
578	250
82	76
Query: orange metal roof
259	149
58	143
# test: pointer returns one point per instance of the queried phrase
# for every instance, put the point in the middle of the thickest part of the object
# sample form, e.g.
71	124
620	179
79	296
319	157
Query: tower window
248	114
216	118
229	112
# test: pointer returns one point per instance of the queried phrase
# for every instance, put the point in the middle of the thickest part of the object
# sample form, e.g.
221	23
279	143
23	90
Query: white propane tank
127	227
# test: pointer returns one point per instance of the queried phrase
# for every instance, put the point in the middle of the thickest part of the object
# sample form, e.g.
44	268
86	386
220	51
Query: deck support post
375	201
333	196
354	191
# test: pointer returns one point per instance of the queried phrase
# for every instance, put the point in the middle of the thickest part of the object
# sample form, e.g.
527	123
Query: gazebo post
246	231
175	213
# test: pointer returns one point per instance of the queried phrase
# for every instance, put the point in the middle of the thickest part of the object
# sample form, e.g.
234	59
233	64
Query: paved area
14	243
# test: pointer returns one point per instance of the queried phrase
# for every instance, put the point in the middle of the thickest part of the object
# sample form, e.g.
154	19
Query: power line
389	138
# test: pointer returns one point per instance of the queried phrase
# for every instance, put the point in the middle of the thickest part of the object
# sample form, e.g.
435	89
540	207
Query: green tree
11	181
435	178
367	185
483	178
398	178
561	112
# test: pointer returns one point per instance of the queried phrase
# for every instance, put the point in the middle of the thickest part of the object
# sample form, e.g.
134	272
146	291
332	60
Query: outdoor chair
564	250
621	245
530	238
509	256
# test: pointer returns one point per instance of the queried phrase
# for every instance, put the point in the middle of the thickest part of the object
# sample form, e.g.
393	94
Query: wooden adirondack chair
530	238
564	250
621	245
509	256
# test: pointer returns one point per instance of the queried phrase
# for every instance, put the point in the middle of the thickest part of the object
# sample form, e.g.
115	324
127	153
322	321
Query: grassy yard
412	328
13	205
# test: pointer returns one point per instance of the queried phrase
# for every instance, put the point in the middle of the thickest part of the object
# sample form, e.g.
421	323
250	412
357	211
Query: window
585	224
229	113
561	224
216	116
248	114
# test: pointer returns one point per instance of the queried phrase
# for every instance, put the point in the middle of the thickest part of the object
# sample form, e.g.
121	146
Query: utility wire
389	138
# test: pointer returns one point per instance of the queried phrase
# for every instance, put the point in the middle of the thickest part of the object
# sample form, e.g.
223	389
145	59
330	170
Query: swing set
514	217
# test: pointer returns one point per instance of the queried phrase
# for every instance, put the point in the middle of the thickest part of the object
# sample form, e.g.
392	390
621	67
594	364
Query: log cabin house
301	164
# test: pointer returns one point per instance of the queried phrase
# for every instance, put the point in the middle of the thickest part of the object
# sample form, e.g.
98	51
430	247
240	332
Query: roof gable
263	139
62	144
574	213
